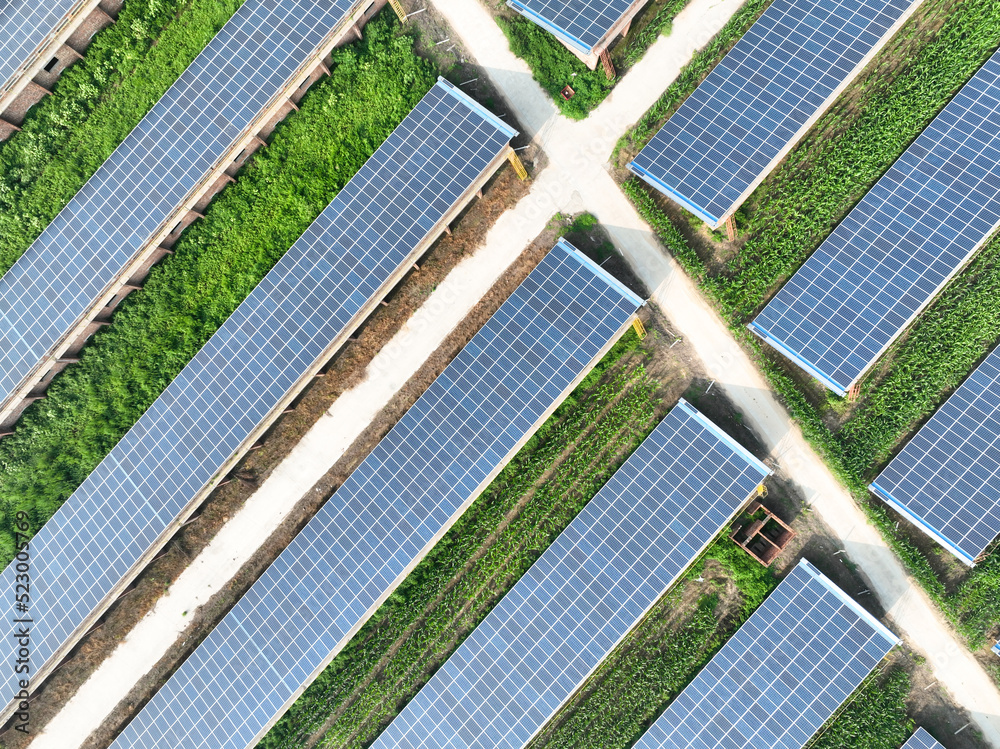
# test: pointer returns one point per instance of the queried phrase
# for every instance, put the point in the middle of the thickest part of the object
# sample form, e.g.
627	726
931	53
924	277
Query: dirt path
577	179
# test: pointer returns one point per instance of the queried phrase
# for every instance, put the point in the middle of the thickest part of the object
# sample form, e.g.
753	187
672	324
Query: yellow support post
518	166
762	491
639	328
399	10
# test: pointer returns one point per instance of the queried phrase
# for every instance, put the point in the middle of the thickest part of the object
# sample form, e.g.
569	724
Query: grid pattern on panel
758	99
908	236
90	242
24	24
781	676
390	509
922	740
947	478
580	23
618	556
308	300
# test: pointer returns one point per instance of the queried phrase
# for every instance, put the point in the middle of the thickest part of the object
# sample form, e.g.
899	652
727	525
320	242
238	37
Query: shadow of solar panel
308	302
762	98
582	24
783	674
24	24
93	239
946	480
391	509
901	244
921	740
634	539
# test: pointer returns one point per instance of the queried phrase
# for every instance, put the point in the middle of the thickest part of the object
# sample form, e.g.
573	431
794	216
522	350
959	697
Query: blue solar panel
781	676
582	24
922	740
50	289
762	98
679	489
946	480
996	649
897	249
24	24
322	287
390	510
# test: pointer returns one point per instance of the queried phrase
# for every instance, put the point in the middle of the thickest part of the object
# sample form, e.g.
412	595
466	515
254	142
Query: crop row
217	262
95	104
479	559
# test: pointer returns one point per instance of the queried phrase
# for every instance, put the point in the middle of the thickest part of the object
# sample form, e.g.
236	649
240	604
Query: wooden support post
854	392
11	125
515	162
479	193
322	66
258	139
627	28
731	228
416	267
384	303
357	30
68	360
609	67
5	434
447	230
292	103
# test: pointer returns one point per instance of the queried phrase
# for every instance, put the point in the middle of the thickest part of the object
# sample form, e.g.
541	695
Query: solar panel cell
903	242
781	676
24	24
310	300
617	557
921	740
391	509
761	98
80	254
946	480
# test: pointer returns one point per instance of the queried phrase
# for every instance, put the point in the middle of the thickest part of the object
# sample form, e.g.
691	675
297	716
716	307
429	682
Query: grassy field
94	105
217	262
790	215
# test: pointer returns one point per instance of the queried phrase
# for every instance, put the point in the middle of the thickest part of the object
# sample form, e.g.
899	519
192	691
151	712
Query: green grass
848	150
94	105
470	569
875	716
218	261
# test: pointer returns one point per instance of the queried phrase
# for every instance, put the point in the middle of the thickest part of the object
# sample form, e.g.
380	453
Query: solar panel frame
24	26
626	548
79	257
921	740
762	98
567	21
392	508
315	296
721	707
946	479
897	249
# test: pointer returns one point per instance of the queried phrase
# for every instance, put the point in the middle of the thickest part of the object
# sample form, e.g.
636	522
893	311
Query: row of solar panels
922	740
56	285
316	295
889	257
24	26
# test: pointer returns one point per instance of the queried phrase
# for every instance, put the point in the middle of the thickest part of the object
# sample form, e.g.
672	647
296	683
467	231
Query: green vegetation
874	717
847	151
94	105
218	261
555	67
491	545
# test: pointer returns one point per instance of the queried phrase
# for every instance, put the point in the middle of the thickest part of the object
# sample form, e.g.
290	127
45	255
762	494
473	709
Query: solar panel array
654	517
922	740
57	280
580	23
900	245
761	98
309	299
946	480
783	674
390	510
24	24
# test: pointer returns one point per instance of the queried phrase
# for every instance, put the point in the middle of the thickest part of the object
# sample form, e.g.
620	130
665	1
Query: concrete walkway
577	179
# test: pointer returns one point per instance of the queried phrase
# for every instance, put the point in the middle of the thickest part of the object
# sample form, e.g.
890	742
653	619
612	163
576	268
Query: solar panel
762	98
582	24
391	509
655	516
323	286
922	740
996	649
900	245
24	24
946	480
112	217
783	674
